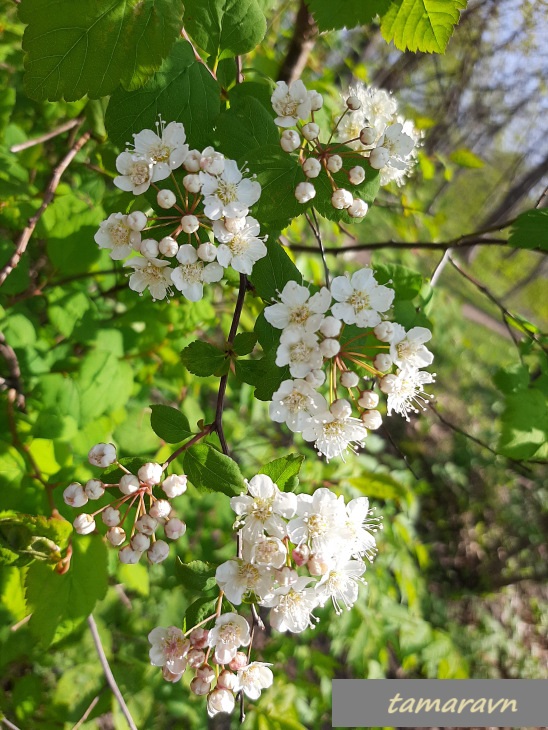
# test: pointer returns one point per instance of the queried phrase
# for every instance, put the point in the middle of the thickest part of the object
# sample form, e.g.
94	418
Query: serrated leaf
212	471
203	359
284	471
89	47
244	343
345	13
169	424
182	90
524	424
405	282
196	575
421	25
54	598
223	27
24	538
264	374
271	273
530	230
245	127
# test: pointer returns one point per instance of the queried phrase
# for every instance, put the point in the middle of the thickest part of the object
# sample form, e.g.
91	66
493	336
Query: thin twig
9	724
49	194
439	268
49	135
426	245
89	710
108	672
14	384
196	54
194	440
317	235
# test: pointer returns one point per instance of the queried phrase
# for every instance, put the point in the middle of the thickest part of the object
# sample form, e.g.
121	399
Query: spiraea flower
393	149
152	274
294	402
405	390
360	298
377	110
340	583
169	649
135	173
166	151
237	577
228	194
190	276
229	633
116	234
291	103
334	433
263	509
292	606
407	348
253	679
298	309
240	249
318	521
300	350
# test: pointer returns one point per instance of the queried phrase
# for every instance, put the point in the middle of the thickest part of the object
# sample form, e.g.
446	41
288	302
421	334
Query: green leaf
24	538
466	158
379	486
524	424
245	127
225	27
114	473
89	47
264	374
182	90
105	383
530	230
421	25
199	610
201	358
405	282
169	424
212	471
345	13
196	575
54	598
284	471
244	343
271	273
512	379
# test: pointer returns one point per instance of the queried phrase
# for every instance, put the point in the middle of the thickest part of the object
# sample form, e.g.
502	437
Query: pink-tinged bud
334	163
196	657
372	420
356	175
198	638
207	673
174	528
192	161
353	103
160	510
192	183
140	542
220	700
382	362
137	220
149	248
75	496
129	556
102	455
150	474
84	524
349	379
94	489
301	555
317	565
189	223
129	484
111	516
368	399
200	686
169	676
368	136
290	140
341	408
158	552
168	247
227	680
146	524
116	536
166	199
387	383
239	661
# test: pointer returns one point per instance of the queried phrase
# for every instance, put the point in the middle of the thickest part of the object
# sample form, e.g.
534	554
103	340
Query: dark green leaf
244	343
212	471
24	538
421	25
201	358
530	230
512	379
89	47
271	273
284	471
199	610
196	575
169	424
345	13
246	127
264	374
405	282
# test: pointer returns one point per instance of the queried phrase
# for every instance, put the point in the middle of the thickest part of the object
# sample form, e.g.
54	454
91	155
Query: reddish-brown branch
67	126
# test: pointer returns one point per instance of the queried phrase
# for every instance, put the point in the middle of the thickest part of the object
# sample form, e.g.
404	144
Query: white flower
400	173
319	521
294	402
377	110
407	391
298	309
292	606
169	648
241	249
152	274
212	161
115	233
230	632
408	348
333	435
340	583
236	577
228	194
135	173
290	103
358	526
166	153
263	508
393	148
360	298
267	551
254	678
300	350
220	700
192	273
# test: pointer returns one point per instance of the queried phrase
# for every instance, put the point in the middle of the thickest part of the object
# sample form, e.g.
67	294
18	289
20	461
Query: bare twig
49	194
49	135
9	724
108	672
89	710
301	44
426	245
196	54
317	235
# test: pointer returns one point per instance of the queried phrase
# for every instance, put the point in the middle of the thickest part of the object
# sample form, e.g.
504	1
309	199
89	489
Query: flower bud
368	399
94	489
311	131
150	474
329	348
349	379
84	524
304	192
382	362
341	199
316	100
192	161
358	208
198	638
334	163
212	162
129	556
301	555
168	247
239	661
331	327
387	383
102	455
158	552
199	686
116	535
220	700
74	495
317	565
166	199
174	528
175	485
372	420
207	673
206	252
129	484
353	103
290	140
312	167
356	175
384	331
146	524
379	158
315	378
149	248
136	221
287	576
190	224
368	136
226	680
160	510
196	657
170	676
111	516
235	225
140	542
341	408
192	183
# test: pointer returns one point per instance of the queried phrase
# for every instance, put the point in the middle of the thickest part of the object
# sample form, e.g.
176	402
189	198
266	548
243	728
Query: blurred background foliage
459	587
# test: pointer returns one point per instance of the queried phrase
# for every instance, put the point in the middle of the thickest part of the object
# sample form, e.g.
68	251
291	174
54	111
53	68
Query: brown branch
194	440
49	194
426	245
49	135
108	672
300	46
14	386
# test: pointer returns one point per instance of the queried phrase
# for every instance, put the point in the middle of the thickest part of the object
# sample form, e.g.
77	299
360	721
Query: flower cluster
370	134
343	329
232	672
135	488
208	229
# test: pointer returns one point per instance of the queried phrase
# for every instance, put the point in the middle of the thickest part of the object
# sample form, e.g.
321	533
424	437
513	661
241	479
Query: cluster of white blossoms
135	489
340	338
369	130
208	227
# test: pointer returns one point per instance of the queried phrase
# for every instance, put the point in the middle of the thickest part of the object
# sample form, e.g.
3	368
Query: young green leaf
284	471
245	127
169	424
421	25
212	471
244	342
196	575
201	358
530	230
